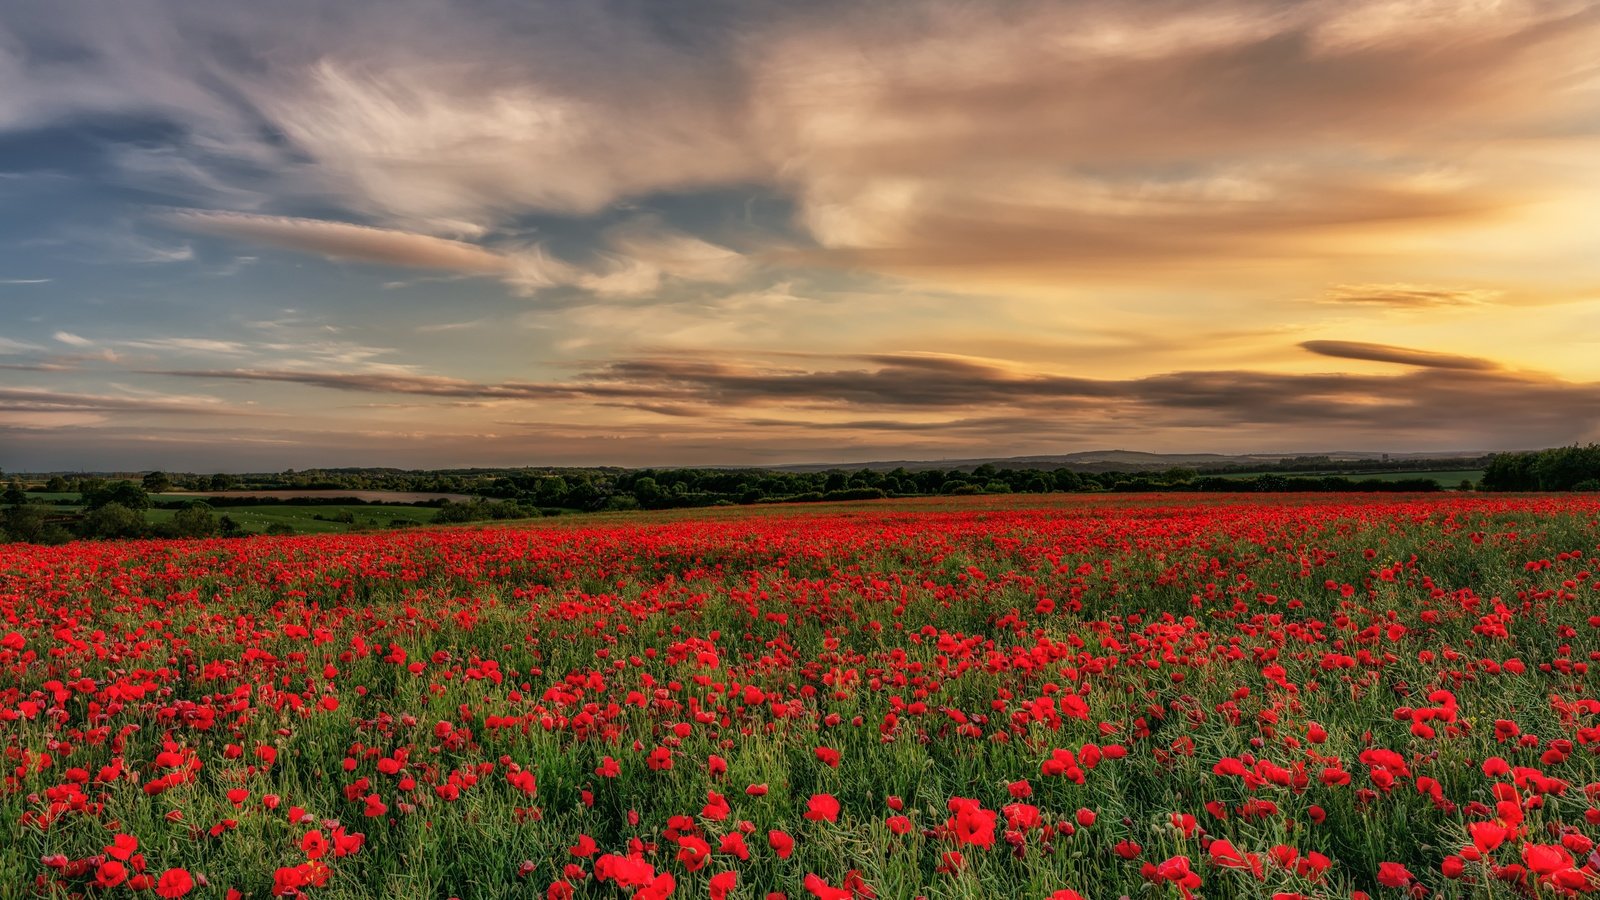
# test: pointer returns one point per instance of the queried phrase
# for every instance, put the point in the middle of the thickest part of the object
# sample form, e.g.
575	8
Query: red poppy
822	808
174	883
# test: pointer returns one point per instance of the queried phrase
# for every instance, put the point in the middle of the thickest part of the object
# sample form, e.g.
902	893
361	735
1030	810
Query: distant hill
1128	461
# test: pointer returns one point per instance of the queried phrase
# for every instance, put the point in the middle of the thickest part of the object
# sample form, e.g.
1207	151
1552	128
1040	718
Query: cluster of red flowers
1060	698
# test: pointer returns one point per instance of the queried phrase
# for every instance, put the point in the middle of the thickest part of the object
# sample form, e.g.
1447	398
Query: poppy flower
1391	874
174	883
822	808
109	874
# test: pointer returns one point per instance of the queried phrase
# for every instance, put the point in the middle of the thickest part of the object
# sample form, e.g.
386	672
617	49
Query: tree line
114	508
1572	468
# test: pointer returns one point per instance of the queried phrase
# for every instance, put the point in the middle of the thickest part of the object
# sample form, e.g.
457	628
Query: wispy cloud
634	259
194	345
67	337
894	125
346	241
1407	296
441	327
31	399
1404	356
11	345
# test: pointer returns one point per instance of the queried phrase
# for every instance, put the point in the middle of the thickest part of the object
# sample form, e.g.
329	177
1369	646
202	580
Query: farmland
1051	696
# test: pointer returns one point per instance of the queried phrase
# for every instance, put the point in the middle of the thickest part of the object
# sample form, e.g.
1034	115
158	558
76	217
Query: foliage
1555	469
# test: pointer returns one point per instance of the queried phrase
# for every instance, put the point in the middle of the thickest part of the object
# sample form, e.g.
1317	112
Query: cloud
67	337
1406	296
347	242
635	260
388	383
641	254
11	345
446	141
1129	158
1399	355
1050	225
38	421
193	345
1437	395
26	280
1099	138
932	138
440	327
437	118
41	400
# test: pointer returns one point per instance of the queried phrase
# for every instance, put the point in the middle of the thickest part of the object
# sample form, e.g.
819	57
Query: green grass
303	518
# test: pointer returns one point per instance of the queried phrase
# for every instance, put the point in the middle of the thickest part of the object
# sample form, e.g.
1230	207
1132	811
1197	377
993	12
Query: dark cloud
384	383
1437	394
1404	356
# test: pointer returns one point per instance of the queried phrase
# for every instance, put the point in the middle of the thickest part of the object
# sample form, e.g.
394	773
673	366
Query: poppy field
1040	698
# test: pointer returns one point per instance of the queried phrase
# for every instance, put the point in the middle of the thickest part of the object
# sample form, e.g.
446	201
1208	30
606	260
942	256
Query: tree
221	482
552	491
14	494
57	485
29	524
195	521
1509	472
1067	480
157	482
124	493
1271	484
111	520
1559	468
648	491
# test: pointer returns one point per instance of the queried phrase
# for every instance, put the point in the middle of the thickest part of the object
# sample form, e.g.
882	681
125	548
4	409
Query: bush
195	521
478	510
112	520
856	493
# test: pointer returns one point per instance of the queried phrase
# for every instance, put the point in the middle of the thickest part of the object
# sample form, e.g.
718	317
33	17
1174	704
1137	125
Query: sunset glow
240	236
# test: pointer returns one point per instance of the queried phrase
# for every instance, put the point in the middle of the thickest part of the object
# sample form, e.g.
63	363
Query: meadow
1060	696
317	519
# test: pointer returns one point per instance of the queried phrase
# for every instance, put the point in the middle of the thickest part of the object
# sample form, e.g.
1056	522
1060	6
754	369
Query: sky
248	236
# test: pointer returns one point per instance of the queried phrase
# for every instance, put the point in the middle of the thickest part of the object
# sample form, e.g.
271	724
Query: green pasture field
303	518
